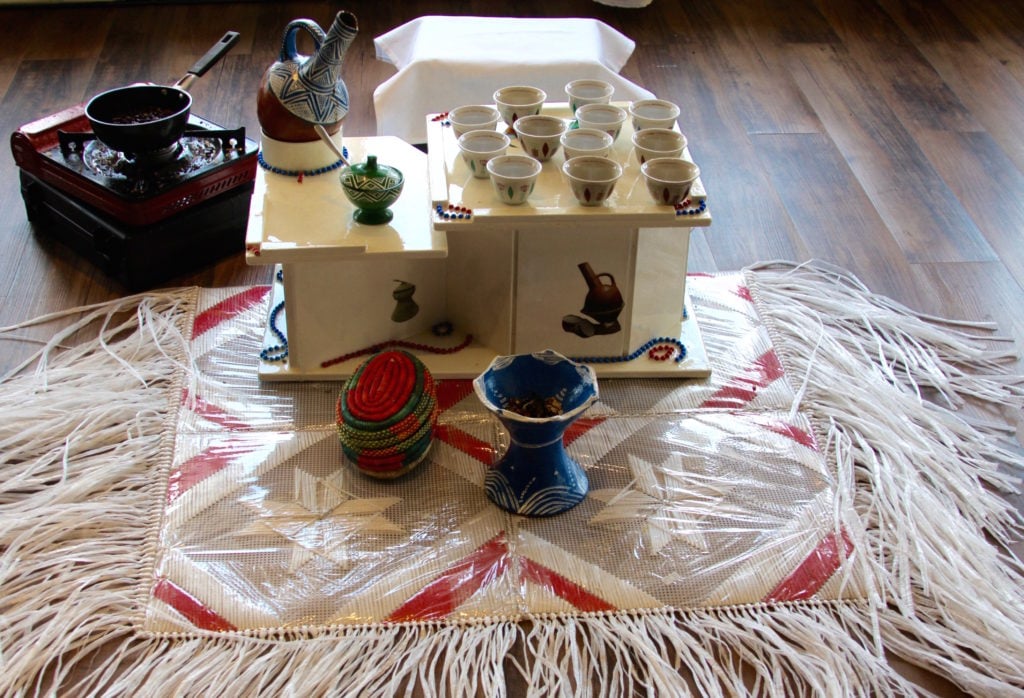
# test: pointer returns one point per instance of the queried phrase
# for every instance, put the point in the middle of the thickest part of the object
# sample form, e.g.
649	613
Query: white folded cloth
444	62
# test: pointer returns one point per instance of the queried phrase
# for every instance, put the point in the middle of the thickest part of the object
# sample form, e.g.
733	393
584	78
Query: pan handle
215	53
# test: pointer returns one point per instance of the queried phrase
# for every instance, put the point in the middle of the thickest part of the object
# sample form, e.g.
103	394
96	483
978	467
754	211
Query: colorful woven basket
386	414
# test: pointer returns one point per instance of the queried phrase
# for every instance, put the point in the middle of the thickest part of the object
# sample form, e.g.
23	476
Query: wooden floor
886	137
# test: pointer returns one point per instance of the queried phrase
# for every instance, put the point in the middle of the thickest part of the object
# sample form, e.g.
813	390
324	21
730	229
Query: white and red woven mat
703	494
831	500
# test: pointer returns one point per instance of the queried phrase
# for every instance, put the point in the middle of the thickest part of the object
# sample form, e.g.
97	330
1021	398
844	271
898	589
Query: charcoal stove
141	218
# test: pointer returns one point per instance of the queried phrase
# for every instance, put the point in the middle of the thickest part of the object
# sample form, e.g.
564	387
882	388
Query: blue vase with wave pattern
536	397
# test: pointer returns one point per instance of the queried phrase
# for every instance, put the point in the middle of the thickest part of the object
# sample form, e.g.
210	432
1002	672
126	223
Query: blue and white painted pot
536	397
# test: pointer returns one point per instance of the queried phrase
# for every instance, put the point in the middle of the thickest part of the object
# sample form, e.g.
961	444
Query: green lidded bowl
372	188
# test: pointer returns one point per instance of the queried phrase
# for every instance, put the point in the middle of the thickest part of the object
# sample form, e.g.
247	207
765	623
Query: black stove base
141	257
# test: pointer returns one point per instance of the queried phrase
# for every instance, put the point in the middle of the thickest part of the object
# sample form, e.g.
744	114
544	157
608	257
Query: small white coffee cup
479	147
669	179
653	113
652	143
473	117
515	101
587	91
606	117
513	177
592	178
539	135
586	141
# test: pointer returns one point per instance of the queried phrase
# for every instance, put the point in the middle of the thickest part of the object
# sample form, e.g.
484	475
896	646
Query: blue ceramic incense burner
536	397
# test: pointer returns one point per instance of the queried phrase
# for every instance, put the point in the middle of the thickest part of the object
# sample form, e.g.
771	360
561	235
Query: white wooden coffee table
508	276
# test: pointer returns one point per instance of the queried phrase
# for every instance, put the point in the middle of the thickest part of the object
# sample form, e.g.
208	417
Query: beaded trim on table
276	352
683	210
300	173
657	349
398	344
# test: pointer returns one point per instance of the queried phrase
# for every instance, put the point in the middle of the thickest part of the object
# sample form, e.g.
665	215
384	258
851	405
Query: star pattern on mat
670	501
322	519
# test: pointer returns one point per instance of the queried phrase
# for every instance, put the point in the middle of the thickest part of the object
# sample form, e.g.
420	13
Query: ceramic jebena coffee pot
298	93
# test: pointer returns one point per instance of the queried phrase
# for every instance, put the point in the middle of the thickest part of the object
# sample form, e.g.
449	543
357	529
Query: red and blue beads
684	208
656	348
453	212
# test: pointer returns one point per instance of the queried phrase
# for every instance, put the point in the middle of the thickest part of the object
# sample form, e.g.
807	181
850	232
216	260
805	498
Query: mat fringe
87	427
927	479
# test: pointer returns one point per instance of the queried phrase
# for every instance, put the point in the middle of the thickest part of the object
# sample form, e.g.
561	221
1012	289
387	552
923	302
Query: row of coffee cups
592	178
592	96
541	136
588	168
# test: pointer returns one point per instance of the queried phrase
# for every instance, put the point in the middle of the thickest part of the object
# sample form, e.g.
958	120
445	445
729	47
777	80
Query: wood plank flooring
884	136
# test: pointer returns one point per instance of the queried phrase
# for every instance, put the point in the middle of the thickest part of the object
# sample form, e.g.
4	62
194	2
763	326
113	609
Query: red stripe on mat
468	444
203	465
449	591
214	414
450	392
565	588
818	567
197	613
580	427
227	309
742	388
802	437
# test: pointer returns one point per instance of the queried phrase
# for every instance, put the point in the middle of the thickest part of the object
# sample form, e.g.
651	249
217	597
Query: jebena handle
289	52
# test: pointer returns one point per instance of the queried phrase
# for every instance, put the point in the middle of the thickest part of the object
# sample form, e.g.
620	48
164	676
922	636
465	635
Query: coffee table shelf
512	277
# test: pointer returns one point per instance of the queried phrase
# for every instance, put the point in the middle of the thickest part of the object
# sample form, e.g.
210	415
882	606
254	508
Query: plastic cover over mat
703	493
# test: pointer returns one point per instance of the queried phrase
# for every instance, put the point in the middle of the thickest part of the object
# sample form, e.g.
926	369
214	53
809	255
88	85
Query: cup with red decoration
606	117
587	91
515	101
539	135
669	179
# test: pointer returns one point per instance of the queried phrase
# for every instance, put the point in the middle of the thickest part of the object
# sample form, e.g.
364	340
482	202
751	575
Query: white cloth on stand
444	62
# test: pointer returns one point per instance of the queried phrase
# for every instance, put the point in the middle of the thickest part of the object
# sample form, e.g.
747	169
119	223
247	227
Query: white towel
444	62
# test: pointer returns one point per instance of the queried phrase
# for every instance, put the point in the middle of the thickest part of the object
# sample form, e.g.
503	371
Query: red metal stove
142	219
